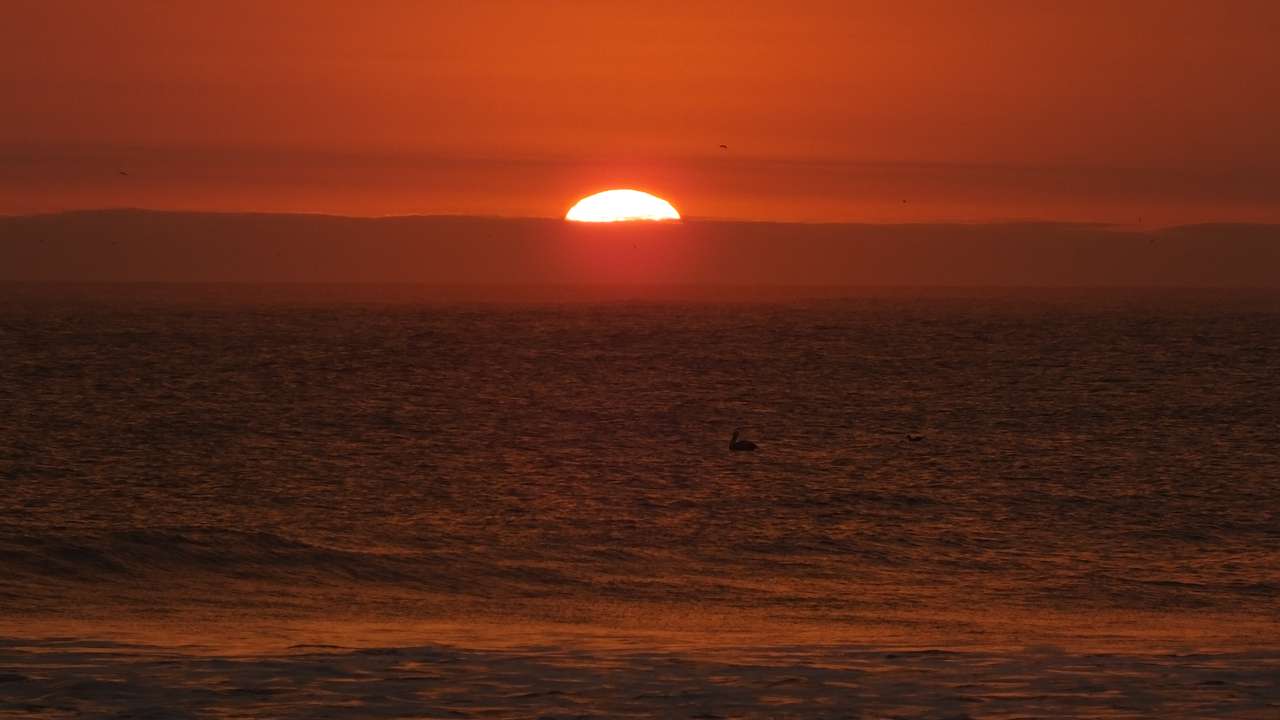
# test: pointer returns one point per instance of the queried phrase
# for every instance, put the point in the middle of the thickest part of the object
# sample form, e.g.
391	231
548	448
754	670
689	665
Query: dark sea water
1098	469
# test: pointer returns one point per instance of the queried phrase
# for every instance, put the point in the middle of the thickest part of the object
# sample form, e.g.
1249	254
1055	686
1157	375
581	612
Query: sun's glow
621	206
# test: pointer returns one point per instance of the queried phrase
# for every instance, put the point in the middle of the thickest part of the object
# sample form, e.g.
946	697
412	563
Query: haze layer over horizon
142	246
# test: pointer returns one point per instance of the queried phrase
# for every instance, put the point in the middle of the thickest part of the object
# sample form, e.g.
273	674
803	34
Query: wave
133	554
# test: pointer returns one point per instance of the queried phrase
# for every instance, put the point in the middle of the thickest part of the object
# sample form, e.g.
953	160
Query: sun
621	206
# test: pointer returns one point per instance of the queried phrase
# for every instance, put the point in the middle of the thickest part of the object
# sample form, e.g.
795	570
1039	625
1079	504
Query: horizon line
1031	221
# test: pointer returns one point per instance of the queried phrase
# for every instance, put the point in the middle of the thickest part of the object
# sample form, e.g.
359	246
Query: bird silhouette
724	147
913	437
740	445
122	172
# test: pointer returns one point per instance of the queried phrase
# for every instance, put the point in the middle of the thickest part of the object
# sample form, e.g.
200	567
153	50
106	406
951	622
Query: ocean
378	480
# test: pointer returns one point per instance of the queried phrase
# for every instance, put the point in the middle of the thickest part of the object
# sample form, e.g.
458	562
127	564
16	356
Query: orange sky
831	111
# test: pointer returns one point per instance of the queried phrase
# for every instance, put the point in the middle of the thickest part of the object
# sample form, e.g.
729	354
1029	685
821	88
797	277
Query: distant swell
136	554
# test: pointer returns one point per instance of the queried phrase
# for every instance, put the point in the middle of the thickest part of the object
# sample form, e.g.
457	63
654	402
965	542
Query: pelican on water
740	445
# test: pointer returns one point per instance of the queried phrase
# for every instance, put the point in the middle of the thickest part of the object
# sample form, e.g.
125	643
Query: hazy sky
832	111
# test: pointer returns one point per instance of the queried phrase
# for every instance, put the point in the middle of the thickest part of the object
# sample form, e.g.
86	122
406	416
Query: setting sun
621	206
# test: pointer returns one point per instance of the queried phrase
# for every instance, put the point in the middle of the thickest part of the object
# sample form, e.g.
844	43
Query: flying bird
724	147
912	437
122	172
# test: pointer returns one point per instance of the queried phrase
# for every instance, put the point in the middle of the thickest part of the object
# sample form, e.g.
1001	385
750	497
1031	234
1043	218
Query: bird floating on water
740	445
913	437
